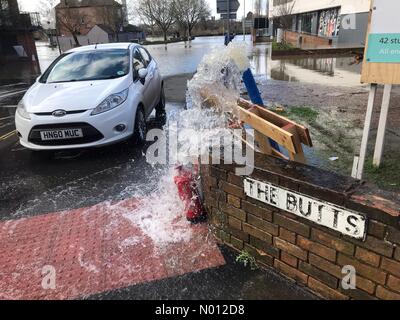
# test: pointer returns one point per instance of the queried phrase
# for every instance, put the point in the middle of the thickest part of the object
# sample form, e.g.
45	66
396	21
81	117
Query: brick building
341	21
16	33
77	17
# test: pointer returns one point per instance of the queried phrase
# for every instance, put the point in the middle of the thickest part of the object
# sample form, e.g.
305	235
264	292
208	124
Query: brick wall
308	40
310	254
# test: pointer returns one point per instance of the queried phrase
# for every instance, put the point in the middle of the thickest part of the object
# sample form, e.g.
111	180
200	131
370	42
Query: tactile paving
93	250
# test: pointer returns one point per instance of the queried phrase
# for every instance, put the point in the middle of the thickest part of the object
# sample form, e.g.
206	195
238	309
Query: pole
380	139
244	20
358	169
58	42
229	18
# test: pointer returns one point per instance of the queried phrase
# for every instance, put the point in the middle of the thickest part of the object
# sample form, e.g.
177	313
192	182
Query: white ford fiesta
92	96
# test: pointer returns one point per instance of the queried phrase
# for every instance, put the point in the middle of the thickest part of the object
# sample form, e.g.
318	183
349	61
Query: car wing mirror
143	73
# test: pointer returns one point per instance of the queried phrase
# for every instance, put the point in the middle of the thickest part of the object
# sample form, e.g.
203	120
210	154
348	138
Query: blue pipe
255	97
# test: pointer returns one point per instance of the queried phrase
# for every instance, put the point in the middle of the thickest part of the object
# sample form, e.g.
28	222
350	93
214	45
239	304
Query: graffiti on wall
329	23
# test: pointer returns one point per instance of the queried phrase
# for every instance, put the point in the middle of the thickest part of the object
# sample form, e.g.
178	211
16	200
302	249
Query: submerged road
36	187
58	191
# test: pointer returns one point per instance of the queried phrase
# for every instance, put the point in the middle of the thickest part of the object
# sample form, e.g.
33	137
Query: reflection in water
177	60
336	71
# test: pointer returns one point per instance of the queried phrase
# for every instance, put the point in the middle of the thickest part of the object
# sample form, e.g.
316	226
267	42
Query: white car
92	96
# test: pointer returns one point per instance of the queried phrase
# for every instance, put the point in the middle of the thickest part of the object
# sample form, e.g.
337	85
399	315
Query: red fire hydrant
188	193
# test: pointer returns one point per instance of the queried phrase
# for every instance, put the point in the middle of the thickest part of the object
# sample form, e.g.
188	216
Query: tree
284	12
189	12
47	12
157	12
73	21
112	18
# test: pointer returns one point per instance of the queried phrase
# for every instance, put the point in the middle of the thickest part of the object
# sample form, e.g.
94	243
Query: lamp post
244	20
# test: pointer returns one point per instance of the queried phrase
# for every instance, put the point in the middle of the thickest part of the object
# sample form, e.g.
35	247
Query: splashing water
160	214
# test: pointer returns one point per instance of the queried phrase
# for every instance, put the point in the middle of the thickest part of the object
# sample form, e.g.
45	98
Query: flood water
178	59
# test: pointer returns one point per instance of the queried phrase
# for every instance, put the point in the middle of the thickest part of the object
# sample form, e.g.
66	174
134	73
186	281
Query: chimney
125	12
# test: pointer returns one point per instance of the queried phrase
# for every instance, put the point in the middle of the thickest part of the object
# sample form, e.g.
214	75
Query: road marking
13	85
8	135
12	94
8	106
6	117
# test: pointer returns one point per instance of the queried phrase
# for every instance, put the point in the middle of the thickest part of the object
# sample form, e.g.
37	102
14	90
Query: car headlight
22	111
111	102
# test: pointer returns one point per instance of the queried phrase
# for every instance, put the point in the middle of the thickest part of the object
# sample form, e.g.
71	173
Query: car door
154	75
140	63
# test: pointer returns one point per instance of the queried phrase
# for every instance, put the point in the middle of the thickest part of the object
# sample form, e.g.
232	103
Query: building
77	17
16	34
342	22
103	34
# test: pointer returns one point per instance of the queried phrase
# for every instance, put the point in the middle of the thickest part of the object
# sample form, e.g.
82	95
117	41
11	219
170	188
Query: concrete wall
355	36
304	251
348	6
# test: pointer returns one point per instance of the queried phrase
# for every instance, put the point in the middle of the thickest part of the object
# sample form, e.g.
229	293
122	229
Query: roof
105	46
87	3
132	28
105	28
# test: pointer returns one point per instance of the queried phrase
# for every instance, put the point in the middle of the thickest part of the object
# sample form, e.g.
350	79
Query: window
89	66
146	56
138	61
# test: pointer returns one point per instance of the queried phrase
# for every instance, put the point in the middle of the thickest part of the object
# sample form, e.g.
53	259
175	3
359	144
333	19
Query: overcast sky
32	5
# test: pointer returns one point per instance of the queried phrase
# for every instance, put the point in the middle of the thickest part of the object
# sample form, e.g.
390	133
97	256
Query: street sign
232	16
382	53
381	65
222	6
384	37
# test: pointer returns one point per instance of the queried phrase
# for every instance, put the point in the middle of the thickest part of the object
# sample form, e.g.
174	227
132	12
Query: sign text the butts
331	216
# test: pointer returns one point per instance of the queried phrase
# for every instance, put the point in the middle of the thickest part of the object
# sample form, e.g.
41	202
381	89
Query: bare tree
113	19
257	8
189	12
284	12
47	12
73	21
157	12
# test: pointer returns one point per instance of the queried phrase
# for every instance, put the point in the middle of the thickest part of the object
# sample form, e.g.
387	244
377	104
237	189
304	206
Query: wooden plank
380	139
263	143
274	152
367	127
278	120
299	155
268	129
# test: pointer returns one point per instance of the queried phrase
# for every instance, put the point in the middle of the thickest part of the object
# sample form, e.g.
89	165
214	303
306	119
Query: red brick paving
93	250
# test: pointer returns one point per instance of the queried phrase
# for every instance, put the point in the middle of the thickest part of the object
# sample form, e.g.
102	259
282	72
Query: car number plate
61	134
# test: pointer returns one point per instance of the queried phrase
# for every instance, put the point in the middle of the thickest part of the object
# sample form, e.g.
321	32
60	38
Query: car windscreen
89	66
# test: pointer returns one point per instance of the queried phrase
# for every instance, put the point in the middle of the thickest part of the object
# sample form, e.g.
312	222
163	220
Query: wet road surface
34	184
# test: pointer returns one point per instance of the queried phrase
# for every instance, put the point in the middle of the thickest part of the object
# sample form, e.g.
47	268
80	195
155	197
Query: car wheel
140	132
161	115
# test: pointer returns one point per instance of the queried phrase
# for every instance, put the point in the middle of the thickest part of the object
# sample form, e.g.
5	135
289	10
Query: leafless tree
189	12
47	12
284	12
157	12
113	19
257	7
73	21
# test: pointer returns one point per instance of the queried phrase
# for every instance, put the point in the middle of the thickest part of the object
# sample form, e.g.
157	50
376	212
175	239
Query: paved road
34	184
